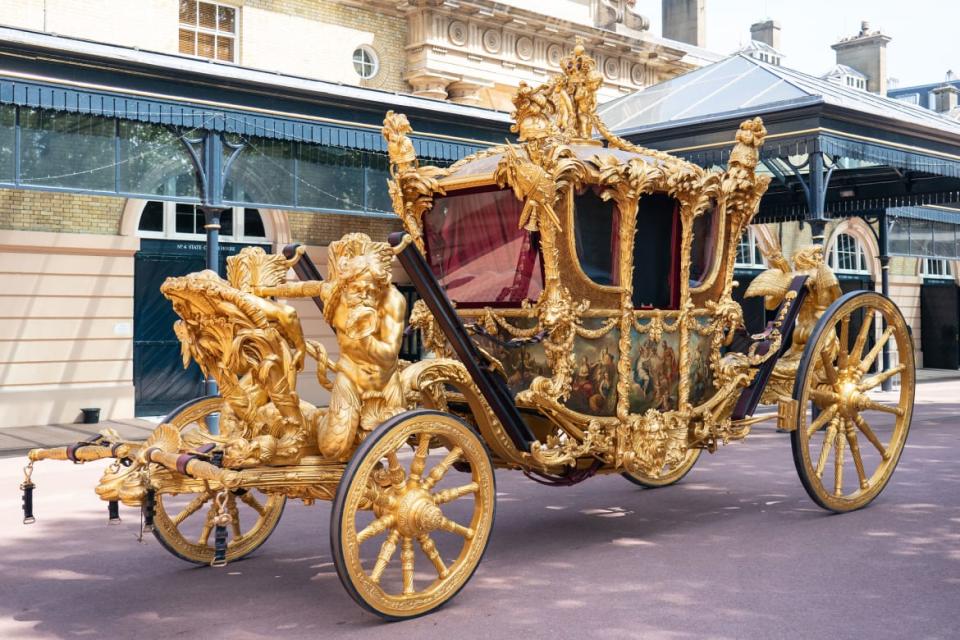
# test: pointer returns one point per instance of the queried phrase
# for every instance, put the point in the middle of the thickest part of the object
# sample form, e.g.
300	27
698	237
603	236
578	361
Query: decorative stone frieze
478	51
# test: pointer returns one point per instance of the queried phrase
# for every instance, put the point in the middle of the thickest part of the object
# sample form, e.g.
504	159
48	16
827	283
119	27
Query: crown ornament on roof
565	106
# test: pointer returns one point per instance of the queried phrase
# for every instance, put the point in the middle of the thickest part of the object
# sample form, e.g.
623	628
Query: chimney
766	32
867	53
945	98
685	21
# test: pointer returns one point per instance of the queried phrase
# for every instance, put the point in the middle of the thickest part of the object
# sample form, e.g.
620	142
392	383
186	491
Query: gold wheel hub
416	513
851	399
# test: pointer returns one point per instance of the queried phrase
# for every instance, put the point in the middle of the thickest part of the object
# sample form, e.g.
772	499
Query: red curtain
478	252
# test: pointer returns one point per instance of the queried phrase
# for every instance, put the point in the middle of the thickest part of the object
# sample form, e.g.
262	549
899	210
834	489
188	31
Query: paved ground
736	550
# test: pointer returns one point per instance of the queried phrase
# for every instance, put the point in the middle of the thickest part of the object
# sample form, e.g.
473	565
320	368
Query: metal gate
940	320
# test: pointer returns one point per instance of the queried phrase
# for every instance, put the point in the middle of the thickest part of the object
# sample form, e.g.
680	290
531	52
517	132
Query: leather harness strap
185	458
72	449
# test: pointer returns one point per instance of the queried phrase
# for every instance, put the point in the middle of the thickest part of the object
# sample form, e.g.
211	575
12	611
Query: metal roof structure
833	150
86	117
47	71
742	86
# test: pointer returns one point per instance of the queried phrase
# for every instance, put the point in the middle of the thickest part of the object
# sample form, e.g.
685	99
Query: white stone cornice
460	42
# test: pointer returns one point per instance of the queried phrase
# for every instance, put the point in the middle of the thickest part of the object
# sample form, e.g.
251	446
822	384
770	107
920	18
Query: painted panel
654	371
594	389
701	376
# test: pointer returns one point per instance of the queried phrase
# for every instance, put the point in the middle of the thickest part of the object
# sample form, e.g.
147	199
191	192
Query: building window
208	30
935	269
178	221
847	256
749	255
365	62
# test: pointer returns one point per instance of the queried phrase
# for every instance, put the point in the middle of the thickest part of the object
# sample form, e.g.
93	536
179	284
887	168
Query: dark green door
158	375
940	321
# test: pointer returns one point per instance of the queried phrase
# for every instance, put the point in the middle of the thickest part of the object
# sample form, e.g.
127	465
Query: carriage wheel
396	495
842	417
183	523
669	475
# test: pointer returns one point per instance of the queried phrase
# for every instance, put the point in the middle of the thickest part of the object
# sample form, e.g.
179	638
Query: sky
926	33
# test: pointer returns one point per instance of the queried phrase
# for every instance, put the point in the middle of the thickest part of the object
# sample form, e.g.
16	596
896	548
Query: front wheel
183	523
842	415
396	494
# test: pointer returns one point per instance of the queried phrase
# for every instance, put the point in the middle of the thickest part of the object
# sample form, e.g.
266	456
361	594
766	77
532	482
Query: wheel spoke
437	473
857	351
396	473
207	525
234	515
380	499
449	525
825	416
375	528
192	507
828	369
823	397
875	381
864	427
855	454
873	405
251	501
844	341
420	457
406	565
430	550
875	351
455	493
828	439
838	466
387	549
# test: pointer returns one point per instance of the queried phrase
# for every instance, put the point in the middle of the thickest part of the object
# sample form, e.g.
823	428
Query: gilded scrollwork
563	450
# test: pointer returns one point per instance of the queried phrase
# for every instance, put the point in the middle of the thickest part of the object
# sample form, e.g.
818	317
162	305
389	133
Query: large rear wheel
396	495
844	419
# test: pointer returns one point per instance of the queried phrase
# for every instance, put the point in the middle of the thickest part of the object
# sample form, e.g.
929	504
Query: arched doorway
172	243
851	258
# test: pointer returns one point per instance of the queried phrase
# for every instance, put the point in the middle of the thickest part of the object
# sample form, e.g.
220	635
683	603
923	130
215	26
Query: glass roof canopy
746	86
876	157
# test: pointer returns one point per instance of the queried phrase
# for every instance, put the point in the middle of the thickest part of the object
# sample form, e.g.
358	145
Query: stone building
88	229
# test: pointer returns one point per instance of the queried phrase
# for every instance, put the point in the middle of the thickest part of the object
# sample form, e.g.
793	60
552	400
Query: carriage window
656	253
703	246
479	253
596	235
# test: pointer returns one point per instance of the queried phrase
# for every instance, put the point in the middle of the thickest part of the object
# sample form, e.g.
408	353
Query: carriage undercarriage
546	357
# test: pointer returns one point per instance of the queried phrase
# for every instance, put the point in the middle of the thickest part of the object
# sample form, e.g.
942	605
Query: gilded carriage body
576	301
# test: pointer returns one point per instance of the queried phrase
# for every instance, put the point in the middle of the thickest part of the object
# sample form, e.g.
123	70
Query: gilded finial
399	146
563	107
